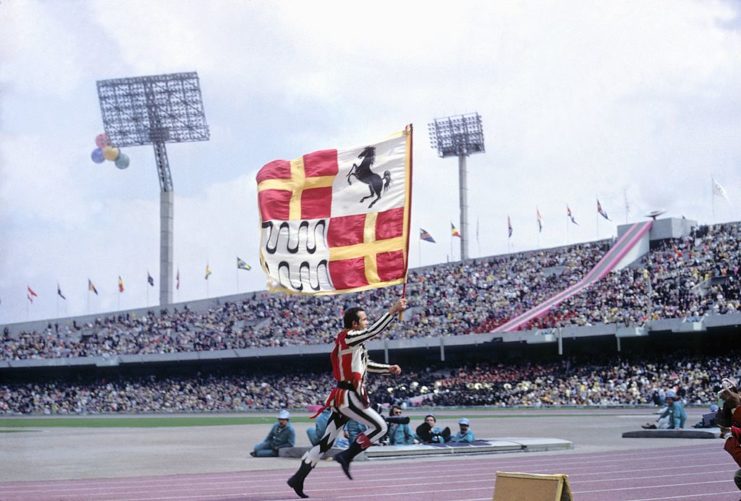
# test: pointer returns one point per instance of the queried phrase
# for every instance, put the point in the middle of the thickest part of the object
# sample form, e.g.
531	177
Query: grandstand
677	289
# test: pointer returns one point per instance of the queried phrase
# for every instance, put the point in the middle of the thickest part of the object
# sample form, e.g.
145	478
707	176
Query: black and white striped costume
349	399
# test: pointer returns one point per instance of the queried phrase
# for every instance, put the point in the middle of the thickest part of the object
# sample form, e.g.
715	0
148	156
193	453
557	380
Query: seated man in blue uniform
465	435
399	433
316	433
281	435
430	433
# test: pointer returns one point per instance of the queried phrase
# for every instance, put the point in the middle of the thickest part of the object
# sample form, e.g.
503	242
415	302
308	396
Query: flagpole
596	223
237	275
478	242
147	289
712	198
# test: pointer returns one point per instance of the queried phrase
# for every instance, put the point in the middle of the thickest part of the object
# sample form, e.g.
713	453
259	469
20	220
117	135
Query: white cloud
578	100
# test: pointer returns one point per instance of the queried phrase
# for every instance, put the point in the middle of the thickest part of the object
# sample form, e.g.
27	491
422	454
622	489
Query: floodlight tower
459	136
156	110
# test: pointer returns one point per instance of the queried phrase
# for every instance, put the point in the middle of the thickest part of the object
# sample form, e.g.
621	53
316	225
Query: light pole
156	110
459	136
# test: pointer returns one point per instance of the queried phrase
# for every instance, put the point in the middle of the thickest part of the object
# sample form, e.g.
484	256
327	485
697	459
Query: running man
349	399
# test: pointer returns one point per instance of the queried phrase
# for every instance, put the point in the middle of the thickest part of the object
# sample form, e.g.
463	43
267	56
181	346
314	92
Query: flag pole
712	198
409	129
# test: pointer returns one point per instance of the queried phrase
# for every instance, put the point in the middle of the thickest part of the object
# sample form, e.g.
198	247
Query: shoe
341	457
253	454
296	482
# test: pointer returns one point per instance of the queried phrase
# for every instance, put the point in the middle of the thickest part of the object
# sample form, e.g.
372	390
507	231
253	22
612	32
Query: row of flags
31	294
427	237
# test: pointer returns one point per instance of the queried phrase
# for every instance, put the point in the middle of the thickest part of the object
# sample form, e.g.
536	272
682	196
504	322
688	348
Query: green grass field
171	421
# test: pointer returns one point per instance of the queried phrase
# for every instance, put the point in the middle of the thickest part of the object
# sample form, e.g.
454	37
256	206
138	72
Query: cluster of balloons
106	151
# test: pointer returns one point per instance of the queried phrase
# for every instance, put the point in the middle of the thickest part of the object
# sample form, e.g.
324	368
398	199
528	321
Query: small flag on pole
509	227
59	292
150	280
31	292
177	280
454	231
120	284
208	272
540	220
91	287
424	235
242	265
602	211
719	190
571	215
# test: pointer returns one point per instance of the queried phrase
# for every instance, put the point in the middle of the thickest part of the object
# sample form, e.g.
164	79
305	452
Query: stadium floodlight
459	136
155	110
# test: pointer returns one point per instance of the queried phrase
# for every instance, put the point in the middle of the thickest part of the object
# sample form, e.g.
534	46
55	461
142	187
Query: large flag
242	265
91	287
120	284
454	231
602	212
571	215
425	235
150	280
719	190
208	272
509	227
337	221
59	292
540	220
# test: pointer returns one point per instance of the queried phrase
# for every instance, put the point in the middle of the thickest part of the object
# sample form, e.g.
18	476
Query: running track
703	472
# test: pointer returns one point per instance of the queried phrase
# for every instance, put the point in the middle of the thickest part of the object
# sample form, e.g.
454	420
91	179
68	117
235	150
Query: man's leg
377	428
311	433
259	450
312	456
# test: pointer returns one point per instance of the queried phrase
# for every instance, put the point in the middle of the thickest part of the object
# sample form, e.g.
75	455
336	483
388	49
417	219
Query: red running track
703	472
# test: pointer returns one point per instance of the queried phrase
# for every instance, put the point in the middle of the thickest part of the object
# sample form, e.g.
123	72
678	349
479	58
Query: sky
635	101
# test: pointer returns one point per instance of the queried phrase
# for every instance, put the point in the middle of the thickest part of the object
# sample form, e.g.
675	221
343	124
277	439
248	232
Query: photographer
429	433
399	431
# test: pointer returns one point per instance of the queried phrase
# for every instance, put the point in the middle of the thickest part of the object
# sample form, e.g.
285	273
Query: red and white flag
334	221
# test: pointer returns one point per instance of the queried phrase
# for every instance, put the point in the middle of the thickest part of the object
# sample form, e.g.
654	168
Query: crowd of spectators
568	382
685	278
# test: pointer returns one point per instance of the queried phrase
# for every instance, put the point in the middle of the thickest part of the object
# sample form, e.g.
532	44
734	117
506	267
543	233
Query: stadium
666	321
424	289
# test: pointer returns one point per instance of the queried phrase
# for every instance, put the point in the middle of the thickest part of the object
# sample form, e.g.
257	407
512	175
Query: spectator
429	433
708	419
672	417
465	435
281	435
398	433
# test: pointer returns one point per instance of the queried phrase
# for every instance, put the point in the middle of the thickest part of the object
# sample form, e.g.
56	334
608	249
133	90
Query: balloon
111	153
122	161
97	156
101	140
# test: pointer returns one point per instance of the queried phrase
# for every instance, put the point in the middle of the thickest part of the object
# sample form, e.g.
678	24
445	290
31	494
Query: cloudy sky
636	101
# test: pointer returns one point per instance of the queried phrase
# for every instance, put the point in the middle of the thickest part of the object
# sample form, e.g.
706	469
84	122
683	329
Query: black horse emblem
363	173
